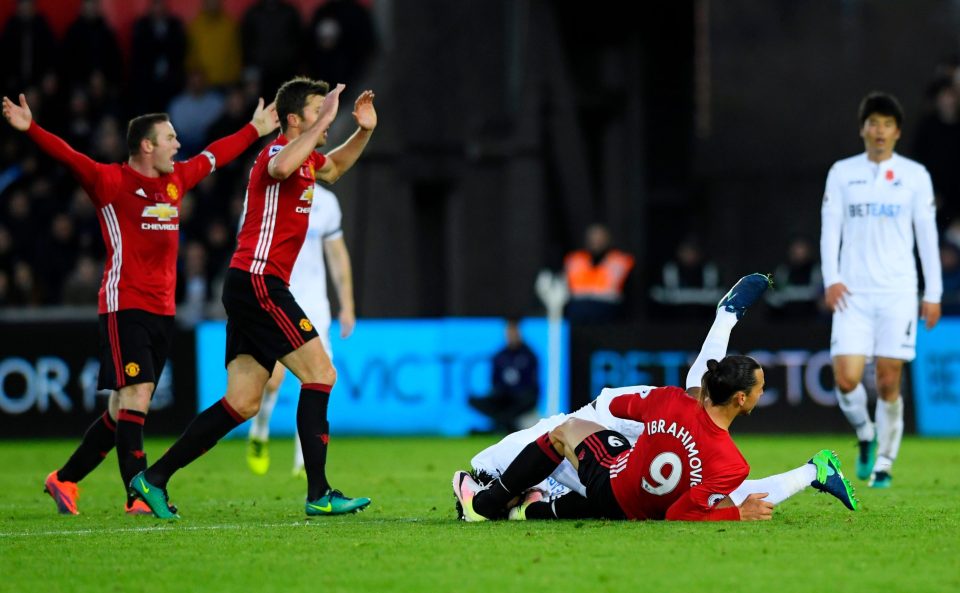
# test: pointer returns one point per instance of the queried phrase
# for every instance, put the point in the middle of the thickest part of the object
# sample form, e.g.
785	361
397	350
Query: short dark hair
143	127
732	374
881	104
292	97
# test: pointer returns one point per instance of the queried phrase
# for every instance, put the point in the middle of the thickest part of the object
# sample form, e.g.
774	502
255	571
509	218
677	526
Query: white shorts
495	458
877	325
319	316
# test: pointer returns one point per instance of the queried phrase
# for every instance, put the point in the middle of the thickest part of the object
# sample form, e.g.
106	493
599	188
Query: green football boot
830	479
335	503
154	496
258	456
866	458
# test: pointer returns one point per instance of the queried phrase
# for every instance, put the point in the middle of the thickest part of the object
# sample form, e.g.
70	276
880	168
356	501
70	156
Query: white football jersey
494	459
308	281
870	214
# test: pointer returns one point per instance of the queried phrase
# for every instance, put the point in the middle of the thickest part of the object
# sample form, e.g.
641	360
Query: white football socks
714	346
260	427
779	487
889	432
854	406
297	453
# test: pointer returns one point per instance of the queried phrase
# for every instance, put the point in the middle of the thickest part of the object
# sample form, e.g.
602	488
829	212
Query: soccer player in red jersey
138	206
684	465
264	322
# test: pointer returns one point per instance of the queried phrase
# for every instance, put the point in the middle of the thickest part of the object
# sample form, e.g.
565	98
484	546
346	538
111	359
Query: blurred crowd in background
207	74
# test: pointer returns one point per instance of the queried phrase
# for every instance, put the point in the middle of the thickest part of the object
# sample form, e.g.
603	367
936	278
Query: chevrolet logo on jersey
306	196
164	213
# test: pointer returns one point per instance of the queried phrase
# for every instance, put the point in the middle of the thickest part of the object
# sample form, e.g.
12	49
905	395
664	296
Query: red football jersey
275	215
681	466
139	218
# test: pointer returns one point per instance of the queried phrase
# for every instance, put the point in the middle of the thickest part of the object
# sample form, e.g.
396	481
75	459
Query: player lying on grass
644	452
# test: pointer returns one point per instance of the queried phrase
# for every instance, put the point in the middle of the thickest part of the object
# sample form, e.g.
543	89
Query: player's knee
135	397
847	383
246	407
559	436
327	376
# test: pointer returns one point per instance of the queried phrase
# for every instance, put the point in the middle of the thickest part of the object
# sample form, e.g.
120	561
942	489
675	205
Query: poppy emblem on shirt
305	325
162	212
173	192
889	174
132	369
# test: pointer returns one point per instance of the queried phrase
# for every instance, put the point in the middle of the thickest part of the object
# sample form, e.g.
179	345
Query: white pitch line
148	529
180	527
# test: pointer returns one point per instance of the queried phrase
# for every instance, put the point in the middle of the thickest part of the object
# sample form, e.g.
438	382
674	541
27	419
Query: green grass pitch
245	533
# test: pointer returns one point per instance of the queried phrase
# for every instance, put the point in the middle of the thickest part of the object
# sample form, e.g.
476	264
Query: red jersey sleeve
218	154
693	506
699	503
633	406
86	170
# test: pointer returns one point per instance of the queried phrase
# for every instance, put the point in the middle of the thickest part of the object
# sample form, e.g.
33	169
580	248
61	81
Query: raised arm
224	150
338	258
21	118
340	159
284	163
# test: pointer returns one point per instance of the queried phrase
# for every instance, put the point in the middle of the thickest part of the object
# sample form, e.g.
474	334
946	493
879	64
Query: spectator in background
596	276
20	223
515	383
220	245
90	46
342	40
86	226
193	111
79	130
25	291
265	24
7	258
109	146
158	56
937	146
213	42
82	286
690	284
28	48
193	287
57	256
798	284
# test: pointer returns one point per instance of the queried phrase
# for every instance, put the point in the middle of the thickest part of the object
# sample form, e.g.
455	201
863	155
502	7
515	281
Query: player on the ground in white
876	206
308	283
565	490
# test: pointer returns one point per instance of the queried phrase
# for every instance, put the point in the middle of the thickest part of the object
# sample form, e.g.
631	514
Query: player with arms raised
138	206
264	322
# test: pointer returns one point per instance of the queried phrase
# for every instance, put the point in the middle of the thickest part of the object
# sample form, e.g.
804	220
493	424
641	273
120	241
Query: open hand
347	322
265	119
930	313
19	116
754	508
836	296
363	111
329	107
